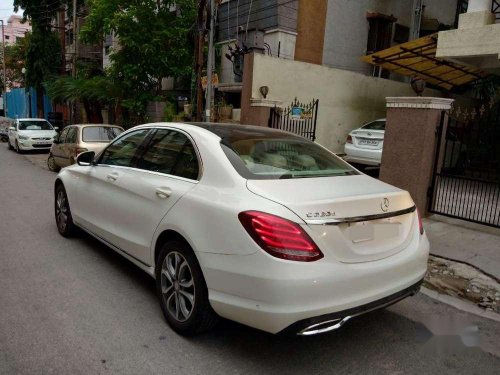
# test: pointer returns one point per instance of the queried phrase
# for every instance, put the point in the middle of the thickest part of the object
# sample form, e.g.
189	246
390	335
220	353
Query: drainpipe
416	19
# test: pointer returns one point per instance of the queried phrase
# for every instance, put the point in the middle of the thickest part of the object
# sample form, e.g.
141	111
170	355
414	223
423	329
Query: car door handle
163	193
112	177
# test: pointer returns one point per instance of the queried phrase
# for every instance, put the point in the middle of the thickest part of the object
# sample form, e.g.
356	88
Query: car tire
62	211
182	290
9	145
51	164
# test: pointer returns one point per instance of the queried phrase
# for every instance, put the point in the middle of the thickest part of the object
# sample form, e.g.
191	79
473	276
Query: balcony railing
495	8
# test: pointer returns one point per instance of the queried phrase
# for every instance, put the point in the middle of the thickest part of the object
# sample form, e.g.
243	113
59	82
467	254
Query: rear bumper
362	156
275	295
330	322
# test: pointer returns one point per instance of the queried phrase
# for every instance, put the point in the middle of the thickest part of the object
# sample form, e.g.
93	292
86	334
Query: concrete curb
460	304
467	264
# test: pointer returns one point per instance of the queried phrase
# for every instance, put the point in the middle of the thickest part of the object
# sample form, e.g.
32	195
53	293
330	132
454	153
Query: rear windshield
280	156
375	125
35	125
100	133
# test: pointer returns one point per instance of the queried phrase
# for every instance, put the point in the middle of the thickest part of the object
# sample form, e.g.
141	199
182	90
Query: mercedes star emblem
385	204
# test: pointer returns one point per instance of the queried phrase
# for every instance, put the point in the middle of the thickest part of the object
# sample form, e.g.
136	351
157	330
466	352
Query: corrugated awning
417	58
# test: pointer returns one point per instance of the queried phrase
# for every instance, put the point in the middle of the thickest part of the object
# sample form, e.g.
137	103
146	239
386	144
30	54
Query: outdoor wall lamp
264	90
418	85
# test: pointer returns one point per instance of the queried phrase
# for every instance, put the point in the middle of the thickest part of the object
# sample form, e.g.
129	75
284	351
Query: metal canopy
417	58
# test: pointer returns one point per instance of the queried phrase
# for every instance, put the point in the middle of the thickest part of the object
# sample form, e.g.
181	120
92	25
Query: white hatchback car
31	134
248	223
364	145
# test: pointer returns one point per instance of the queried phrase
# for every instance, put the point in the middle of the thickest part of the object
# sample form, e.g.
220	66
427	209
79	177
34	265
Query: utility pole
200	43
4	94
210	63
74	39
62	36
73	70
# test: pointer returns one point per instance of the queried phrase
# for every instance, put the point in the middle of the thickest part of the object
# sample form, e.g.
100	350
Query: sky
7	9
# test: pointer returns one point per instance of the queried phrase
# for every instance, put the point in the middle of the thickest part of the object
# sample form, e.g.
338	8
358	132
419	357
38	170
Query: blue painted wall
18	103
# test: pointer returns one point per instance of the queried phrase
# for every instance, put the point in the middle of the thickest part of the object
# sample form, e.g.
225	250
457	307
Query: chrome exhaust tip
323	327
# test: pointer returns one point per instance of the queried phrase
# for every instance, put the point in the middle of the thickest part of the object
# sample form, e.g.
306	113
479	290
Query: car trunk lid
369	139
354	218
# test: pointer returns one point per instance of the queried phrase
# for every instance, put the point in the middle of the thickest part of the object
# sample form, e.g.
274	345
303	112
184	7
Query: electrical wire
237	17
248	19
228	10
261	9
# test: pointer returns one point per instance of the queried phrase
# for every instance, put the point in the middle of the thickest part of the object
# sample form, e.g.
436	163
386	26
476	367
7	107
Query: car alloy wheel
64	220
182	290
177	286
61	210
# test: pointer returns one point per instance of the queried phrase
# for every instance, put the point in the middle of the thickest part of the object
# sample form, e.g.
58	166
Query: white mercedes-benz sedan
252	224
364	145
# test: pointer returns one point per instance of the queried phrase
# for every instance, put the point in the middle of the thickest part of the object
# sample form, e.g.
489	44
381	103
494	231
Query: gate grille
466	181
297	118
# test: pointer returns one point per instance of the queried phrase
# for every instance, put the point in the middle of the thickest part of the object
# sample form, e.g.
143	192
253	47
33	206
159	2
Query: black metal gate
297	118
466	181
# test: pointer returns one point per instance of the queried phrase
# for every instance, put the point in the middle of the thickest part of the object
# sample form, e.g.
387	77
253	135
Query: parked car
31	134
248	223
75	139
4	135
364	145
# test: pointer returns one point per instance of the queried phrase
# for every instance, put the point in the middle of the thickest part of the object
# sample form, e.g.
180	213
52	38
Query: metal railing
298	118
466	181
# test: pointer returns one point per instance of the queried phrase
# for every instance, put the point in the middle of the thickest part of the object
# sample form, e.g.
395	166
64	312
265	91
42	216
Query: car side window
122	151
71	136
170	152
62	136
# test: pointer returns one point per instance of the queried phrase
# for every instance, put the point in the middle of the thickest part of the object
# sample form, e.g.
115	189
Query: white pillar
478	14
479	6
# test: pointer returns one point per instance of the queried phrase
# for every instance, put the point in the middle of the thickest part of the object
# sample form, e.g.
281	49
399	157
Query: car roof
101	125
225	131
31	119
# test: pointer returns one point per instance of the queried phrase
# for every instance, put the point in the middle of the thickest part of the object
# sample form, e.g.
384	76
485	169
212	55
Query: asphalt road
75	307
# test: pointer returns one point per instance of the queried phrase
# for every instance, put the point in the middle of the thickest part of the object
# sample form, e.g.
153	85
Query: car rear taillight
420	224
349	139
280	237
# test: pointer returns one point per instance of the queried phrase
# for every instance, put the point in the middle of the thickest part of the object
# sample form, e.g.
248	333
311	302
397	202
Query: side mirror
56	128
12	128
85	158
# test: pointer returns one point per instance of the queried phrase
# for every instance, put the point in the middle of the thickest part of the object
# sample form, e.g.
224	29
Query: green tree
92	91
43	49
154	42
43	62
15	61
